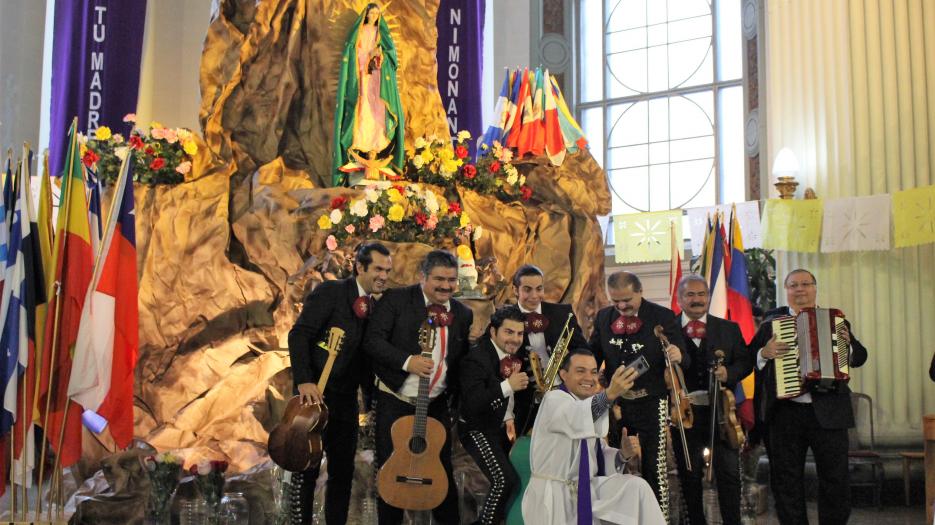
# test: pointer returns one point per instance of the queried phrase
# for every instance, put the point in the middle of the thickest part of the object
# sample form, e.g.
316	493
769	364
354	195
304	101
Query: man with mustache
491	374
624	332
705	334
575	477
392	341
816	420
346	304
544	324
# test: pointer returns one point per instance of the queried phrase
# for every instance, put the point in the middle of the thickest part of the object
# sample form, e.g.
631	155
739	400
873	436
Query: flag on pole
675	270
4	225
522	102
72	275
501	114
717	272
740	310
554	141
94	210
106	348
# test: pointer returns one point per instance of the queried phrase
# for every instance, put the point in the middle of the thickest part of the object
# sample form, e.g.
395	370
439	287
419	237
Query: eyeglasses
796	286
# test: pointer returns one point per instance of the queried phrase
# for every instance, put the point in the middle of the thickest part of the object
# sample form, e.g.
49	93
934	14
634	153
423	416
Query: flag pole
23	448
57	288
59	470
23	385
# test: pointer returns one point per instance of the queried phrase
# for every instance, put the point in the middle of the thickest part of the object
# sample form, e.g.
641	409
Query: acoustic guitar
295	443
413	477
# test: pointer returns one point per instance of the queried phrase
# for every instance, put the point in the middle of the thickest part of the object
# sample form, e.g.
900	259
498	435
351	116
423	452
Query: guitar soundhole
417	445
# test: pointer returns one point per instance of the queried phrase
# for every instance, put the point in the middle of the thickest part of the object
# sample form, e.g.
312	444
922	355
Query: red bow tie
509	365
536	323
695	330
440	316
626	324
363	305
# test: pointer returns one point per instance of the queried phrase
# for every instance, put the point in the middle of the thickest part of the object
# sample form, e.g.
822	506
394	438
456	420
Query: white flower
359	208
121	152
522	180
478	230
463	135
421	143
418	161
82	138
336	216
512	178
431	202
371	194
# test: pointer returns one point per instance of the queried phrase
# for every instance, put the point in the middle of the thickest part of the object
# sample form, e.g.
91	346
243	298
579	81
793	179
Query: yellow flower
190	147
449	167
421	143
463	135
102	133
465	220
154	125
427	155
395	196
464	252
324	222
82	150
446	154
396	213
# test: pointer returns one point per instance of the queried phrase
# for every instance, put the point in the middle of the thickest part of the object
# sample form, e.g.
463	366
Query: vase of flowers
209	478
161	155
163	471
398	213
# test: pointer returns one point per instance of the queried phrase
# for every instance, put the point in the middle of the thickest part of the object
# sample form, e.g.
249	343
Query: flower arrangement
438	162
209	478
399	213
161	156
163	470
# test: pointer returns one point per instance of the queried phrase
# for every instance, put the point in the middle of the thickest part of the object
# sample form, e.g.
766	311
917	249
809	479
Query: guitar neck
326	371
422	403
333	346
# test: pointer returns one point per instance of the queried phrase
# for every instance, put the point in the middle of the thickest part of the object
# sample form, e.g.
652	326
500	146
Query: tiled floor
914	515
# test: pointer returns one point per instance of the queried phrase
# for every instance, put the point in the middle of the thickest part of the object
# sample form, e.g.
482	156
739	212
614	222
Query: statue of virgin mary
368	119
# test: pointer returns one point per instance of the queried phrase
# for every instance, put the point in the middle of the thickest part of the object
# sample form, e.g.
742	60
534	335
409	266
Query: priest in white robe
576	478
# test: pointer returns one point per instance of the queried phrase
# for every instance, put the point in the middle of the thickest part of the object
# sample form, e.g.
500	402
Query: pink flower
376	222
331	243
431	223
350	229
184	167
171	136
130	117
158	133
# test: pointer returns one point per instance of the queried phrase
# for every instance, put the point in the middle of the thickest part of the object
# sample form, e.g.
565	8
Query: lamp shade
786	163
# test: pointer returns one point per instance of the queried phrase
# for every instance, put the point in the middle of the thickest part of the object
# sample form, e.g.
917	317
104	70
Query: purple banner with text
460	62
96	52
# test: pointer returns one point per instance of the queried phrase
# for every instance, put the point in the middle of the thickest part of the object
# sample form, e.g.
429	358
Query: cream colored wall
22	26
172	43
851	90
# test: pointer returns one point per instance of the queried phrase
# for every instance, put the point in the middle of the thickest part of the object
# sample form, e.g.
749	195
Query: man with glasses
816	420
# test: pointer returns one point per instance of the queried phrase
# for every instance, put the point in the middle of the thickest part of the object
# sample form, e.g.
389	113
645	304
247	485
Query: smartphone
641	365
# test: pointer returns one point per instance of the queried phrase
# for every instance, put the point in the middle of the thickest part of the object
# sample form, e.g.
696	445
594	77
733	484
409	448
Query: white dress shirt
697	341
537	340
411	384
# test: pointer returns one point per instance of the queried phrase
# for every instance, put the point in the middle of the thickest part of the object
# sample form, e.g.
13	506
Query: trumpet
545	381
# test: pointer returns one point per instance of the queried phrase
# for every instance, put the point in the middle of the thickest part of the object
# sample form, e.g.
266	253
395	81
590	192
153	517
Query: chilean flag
108	337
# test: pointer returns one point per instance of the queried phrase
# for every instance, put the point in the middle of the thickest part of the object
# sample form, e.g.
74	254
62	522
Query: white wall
22	26
511	23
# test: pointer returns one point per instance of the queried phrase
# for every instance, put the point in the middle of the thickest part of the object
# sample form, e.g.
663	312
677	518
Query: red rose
495	166
338	202
454	208
136	142
525	192
461	152
157	163
469	171
150	150
90	158
421	218
400	189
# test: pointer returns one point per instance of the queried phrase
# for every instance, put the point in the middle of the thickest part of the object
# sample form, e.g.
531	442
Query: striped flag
72	275
554	141
106	348
94	210
675	271
717	272
501	113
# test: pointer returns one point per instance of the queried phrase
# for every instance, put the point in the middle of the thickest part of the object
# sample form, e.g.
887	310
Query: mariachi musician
345	304
624	332
704	335
492	374
392	341
816	420
545	323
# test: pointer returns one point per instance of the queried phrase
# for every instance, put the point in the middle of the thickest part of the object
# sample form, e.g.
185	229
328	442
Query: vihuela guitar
413	477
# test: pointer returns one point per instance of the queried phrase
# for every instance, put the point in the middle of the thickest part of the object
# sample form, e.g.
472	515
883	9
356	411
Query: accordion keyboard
788	375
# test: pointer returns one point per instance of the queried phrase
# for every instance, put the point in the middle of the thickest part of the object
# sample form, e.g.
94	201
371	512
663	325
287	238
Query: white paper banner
748	213
856	224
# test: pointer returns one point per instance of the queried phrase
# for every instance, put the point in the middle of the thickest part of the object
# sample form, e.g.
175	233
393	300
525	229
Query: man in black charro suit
816	420
345	304
392	341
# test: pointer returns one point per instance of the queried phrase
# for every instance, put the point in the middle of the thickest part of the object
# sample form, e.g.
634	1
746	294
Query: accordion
819	359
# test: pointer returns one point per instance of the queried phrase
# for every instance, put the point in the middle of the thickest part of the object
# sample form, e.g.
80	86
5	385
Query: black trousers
793	429
645	418
490	450
340	444
389	409
726	470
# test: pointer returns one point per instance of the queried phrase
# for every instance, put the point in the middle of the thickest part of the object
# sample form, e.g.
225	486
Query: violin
728	424
680	408
295	442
